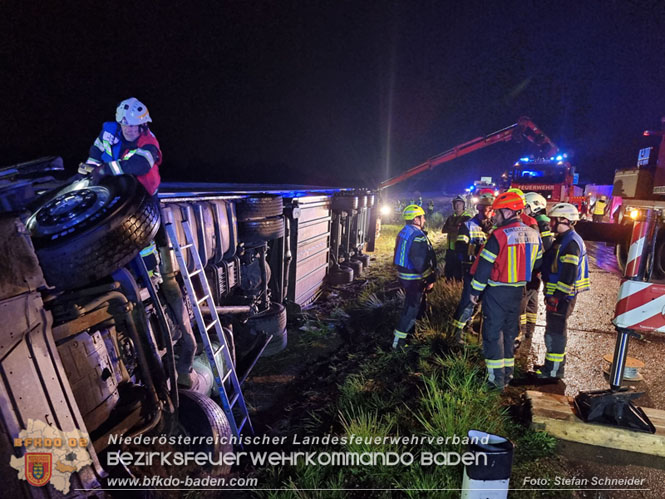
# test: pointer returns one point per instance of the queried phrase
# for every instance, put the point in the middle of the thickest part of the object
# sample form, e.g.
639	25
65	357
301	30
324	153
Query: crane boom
524	128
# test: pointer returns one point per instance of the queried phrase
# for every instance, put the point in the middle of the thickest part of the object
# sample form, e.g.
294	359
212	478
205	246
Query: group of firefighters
501	254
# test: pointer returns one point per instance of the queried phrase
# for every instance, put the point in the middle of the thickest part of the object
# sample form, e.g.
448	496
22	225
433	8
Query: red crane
524	128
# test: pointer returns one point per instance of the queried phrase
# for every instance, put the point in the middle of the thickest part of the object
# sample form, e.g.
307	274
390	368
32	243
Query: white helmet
132	112
565	210
535	201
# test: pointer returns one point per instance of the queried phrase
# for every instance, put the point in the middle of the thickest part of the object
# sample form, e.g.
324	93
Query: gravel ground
592	335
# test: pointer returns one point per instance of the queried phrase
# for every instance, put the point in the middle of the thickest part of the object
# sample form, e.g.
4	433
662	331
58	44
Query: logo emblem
37	468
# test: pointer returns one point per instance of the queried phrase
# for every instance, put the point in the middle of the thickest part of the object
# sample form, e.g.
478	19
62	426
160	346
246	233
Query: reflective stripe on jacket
423	253
559	255
519	248
599	208
112	148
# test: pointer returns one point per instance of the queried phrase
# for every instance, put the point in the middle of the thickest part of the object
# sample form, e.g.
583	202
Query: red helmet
509	200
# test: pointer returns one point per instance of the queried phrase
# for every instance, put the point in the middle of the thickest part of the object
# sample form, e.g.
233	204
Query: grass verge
431	392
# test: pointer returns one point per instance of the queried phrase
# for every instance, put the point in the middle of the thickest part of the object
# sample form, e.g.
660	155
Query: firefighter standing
453	268
566	273
505	265
599	209
472	235
416	269
127	146
529	221
535	206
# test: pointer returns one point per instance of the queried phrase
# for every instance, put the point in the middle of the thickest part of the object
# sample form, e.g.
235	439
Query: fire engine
553	177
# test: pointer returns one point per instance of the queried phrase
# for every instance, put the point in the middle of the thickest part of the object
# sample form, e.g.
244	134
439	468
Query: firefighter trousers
501	311
465	308
556	336
415	303
453	267
531	312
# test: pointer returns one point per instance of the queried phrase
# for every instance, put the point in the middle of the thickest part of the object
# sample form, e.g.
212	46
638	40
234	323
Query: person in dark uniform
416	269
535	207
505	265
566	274
453	268
470	240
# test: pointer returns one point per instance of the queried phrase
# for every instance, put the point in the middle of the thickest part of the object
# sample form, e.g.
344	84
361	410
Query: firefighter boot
399	340
459	337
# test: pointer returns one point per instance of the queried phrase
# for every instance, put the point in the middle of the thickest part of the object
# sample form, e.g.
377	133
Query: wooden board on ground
554	414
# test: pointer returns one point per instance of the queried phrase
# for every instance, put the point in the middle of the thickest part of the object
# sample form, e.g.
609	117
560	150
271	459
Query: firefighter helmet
509	200
535	201
565	210
485	200
412	211
519	192
132	112
458	199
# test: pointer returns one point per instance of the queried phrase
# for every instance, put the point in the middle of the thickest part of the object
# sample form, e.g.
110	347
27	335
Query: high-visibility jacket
509	257
546	235
566	266
414	256
470	239
599	208
452	226
140	158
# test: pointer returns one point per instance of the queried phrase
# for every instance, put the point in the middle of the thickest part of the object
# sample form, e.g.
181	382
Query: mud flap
613	408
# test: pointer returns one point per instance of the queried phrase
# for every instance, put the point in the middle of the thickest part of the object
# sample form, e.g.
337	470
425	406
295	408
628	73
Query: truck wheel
356	265
340	275
261	231
259	207
200	416
272	322
86	234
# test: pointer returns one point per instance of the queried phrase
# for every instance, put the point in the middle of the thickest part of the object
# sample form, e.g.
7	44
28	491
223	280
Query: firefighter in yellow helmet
416	269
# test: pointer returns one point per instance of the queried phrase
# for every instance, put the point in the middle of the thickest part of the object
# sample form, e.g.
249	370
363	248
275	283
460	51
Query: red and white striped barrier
640	306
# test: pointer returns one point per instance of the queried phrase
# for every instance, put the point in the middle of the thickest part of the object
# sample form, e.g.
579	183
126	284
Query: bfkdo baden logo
38	468
51	455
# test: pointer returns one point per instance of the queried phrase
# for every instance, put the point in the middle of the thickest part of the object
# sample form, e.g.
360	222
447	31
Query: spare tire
86	234
340	275
272	322
200	416
260	231
259	207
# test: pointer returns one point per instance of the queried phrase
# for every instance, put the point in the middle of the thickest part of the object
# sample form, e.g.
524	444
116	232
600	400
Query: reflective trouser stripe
523	319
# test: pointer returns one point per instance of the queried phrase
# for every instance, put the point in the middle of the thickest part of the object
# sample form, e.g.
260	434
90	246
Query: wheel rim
69	209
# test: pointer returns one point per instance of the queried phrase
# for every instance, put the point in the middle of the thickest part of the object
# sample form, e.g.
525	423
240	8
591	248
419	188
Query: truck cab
554	178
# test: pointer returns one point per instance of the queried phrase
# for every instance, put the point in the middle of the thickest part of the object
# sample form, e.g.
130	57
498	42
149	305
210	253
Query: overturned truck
100	286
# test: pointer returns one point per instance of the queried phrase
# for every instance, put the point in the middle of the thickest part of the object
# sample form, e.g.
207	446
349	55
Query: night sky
334	93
